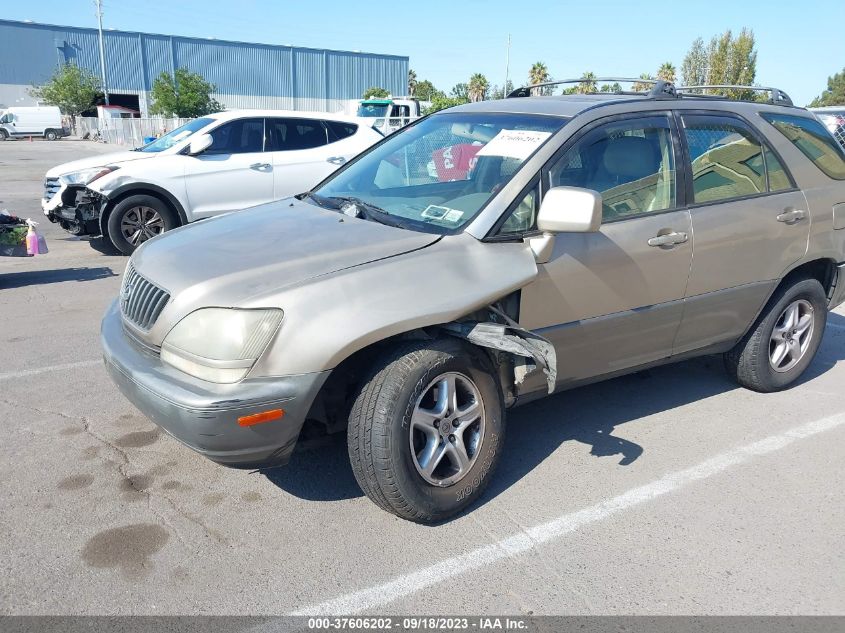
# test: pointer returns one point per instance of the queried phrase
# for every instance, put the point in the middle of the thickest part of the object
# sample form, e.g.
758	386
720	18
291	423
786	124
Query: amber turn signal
260	418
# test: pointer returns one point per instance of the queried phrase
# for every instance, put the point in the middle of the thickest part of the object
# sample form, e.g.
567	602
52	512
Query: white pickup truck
389	114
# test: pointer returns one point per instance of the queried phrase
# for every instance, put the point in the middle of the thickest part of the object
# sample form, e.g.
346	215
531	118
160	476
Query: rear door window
813	139
285	135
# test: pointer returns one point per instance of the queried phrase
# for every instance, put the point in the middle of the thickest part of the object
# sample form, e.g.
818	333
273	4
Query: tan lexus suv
482	257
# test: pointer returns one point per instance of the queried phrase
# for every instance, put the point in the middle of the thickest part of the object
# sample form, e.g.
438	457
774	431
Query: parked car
590	236
833	118
211	165
44	121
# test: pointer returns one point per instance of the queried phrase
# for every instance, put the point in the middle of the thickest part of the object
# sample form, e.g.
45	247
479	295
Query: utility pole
99	4
507	67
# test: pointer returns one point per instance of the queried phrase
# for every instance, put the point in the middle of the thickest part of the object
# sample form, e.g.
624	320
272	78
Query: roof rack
660	88
778	96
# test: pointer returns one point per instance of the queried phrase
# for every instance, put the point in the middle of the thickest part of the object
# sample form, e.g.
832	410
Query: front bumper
75	208
204	415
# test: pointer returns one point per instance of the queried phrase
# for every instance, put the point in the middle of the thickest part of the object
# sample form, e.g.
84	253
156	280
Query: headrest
631	157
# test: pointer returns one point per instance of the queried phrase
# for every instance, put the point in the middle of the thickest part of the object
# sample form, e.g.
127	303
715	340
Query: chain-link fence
131	132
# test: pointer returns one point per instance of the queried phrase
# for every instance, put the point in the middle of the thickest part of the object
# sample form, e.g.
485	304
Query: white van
43	121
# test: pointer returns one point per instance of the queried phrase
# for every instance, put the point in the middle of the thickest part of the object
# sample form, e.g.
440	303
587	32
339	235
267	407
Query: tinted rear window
814	141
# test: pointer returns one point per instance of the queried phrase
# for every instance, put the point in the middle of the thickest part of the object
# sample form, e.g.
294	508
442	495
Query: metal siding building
246	75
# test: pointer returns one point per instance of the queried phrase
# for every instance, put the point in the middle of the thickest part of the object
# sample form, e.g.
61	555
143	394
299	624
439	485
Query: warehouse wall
246	75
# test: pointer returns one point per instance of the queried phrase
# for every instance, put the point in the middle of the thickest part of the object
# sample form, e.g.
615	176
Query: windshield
372	110
437	175
179	134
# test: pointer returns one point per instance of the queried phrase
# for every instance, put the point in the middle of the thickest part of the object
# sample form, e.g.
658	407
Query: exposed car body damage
510	337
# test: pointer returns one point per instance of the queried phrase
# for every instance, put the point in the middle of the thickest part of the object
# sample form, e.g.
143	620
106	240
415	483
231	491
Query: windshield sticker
519	144
453	216
433	212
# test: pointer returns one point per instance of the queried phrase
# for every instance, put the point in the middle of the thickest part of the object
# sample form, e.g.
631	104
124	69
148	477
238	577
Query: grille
141	301
51	186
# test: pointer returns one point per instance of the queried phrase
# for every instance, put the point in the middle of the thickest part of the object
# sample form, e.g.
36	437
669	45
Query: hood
243	258
96	161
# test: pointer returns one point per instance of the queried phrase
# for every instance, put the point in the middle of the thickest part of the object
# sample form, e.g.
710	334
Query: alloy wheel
792	335
140	224
447	429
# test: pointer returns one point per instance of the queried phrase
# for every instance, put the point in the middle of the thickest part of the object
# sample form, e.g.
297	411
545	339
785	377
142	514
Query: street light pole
507	67
99	4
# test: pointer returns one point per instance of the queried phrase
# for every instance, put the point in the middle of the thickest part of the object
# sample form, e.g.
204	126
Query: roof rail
660	88
778	96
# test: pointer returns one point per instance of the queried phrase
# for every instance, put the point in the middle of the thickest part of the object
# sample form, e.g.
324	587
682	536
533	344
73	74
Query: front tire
136	219
426	430
3	135
783	341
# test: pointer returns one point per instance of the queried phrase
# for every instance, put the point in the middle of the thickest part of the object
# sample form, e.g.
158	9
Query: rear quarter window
339	130
814	141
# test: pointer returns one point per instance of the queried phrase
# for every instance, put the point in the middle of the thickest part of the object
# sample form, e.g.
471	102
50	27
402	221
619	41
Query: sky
799	44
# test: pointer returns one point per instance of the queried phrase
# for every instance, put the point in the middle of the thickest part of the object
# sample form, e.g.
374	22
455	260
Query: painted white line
40	370
408	584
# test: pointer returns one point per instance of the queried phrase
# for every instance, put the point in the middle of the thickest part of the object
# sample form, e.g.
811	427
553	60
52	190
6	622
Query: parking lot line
40	370
408	584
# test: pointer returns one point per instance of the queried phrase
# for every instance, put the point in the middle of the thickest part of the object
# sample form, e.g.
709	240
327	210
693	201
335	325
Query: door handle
791	216
260	166
669	239
336	160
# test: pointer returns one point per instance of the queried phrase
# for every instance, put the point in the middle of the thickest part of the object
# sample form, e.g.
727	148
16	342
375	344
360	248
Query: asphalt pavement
671	491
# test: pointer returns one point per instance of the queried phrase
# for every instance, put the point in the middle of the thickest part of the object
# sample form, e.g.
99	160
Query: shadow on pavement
594	415
59	275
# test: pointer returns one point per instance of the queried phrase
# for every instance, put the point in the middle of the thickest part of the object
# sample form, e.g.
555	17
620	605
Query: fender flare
140	188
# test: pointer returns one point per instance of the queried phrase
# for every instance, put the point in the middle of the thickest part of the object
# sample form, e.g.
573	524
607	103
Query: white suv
211	165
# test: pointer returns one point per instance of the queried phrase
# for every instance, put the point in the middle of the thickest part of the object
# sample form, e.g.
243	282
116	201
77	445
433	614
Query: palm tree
538	74
412	82
642	86
588	83
667	72
477	87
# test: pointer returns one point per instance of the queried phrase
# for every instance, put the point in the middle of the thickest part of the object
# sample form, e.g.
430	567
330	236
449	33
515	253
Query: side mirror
200	144
570	210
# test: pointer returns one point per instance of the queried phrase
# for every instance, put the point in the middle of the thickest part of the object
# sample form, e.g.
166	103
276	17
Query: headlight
85	176
220	344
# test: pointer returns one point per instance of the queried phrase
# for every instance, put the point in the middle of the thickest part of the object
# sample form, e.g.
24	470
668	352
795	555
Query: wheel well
822	270
329	411
141	191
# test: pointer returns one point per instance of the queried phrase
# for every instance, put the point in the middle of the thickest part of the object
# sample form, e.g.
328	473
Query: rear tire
419	473
51	135
783	341
136	219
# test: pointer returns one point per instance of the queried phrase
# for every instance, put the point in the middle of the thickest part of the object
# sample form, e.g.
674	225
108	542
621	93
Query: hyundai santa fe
478	259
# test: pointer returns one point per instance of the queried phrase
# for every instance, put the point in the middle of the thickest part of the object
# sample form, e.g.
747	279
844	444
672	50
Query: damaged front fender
508	336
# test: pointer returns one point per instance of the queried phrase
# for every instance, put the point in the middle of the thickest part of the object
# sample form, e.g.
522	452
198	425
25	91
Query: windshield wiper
362	209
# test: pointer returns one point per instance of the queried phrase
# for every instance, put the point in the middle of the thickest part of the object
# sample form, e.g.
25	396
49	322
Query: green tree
186	95
441	102
614	87
426	90
71	88
375	93
477	87
588	84
727	60
694	68
834	94
460	91
498	93
539	74
643	86
667	72
412	83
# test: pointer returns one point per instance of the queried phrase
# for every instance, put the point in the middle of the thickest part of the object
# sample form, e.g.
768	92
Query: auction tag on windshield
518	144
